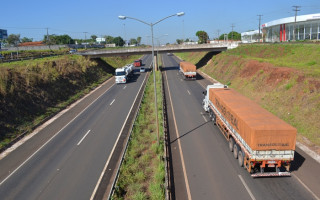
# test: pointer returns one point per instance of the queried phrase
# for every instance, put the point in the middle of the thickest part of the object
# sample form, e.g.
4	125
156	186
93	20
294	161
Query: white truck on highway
123	74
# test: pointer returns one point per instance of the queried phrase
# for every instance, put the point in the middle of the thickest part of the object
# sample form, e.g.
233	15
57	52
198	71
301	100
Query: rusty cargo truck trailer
188	70
262	143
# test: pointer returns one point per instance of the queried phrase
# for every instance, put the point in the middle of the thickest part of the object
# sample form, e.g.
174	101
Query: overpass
217	47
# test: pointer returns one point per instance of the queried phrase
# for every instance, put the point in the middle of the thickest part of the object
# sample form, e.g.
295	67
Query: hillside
282	78
32	90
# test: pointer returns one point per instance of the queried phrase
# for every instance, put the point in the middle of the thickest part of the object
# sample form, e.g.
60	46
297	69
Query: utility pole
125	34
47	36
218	34
259	26
85	38
232	31
183	31
295	21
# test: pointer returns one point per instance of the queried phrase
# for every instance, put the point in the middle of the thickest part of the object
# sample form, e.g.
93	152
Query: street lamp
153	66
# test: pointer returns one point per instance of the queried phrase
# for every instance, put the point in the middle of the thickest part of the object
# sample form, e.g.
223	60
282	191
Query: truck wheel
240	158
235	151
231	143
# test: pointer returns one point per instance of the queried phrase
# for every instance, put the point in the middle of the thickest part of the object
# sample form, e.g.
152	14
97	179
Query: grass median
142	174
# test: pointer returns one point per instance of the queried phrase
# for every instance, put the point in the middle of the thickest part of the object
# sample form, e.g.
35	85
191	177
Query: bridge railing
223	45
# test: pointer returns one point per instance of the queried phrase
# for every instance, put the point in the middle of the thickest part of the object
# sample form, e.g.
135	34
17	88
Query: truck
123	74
188	70
138	63
263	143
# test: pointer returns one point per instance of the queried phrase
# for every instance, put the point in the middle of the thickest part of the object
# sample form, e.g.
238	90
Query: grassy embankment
142	173
282	78
32	53
32	90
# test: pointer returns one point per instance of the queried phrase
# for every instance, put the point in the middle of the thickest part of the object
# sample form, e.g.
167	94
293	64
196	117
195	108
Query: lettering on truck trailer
274	144
227	114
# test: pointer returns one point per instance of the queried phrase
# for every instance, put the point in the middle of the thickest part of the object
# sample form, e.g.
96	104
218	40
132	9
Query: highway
65	159
204	168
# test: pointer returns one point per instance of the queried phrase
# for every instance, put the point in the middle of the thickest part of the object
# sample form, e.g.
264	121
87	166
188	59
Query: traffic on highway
78	151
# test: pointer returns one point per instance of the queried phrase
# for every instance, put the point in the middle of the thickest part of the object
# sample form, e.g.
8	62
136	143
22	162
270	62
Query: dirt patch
275	74
279	74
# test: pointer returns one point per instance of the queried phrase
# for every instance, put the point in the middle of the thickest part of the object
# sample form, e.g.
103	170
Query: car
142	69
169	54
72	51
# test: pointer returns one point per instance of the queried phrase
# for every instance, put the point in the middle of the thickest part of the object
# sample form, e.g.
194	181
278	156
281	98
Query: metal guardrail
167	150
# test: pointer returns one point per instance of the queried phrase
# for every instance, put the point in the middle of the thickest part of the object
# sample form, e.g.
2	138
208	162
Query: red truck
262	143
138	63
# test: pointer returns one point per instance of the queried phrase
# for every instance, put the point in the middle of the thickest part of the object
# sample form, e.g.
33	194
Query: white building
306	27
251	36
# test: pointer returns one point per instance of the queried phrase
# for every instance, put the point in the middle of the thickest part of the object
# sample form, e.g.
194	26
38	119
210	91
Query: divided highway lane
203	167
69	164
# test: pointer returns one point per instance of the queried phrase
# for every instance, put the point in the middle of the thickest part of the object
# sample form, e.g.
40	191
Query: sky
31	18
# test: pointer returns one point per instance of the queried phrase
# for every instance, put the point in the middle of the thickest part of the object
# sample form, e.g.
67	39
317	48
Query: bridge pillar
155	60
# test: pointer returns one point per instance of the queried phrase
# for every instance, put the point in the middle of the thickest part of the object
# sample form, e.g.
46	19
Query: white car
142	69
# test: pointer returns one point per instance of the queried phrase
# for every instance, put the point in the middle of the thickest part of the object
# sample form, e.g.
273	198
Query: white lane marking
112	102
14	171
205	119
83	137
189	92
304	185
115	144
179	144
124	87
247	188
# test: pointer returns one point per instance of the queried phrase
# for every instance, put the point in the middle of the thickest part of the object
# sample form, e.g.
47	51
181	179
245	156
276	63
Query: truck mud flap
268	174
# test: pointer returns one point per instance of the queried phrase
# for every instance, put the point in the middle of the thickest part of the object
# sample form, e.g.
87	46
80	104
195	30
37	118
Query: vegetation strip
142	173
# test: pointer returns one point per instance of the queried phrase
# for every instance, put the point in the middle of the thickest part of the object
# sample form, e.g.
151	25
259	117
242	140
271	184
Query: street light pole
153	64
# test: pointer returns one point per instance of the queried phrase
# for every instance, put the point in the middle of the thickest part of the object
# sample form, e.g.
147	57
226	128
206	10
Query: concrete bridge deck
218	47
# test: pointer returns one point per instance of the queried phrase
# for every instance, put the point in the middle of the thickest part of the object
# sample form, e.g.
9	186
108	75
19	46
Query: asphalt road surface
65	159
203	166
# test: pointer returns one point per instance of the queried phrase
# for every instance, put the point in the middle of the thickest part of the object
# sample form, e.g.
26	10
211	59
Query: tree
94	37
179	41
25	39
221	37
139	40
234	36
58	39
133	41
118	41
64	39
109	39
203	37
13	39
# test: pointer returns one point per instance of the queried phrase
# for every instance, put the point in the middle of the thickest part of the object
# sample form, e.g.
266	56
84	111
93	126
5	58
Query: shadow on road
170	68
189	132
134	78
297	162
199	77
